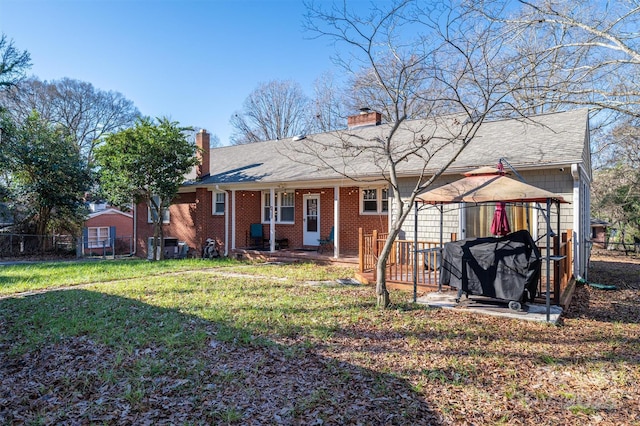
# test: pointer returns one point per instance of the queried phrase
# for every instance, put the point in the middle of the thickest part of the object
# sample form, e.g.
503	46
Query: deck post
374	243
360	250
556	270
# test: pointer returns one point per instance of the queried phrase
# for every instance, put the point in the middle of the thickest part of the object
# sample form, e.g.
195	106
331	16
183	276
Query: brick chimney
203	139
365	118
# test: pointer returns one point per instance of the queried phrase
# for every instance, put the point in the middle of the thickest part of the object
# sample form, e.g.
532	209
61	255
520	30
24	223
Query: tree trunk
383	299
41	227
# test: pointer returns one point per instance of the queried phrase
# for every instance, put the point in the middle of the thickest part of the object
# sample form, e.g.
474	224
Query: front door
311	219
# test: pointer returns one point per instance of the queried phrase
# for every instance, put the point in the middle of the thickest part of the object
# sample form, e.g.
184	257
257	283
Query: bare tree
328	105
275	110
411	60
587	54
87	113
591	46
13	63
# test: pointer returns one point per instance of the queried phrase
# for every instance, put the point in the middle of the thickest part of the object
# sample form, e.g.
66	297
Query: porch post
336	221
233	219
272	221
415	251
439	271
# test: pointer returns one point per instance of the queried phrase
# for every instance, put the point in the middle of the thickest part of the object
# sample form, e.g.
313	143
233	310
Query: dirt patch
619	305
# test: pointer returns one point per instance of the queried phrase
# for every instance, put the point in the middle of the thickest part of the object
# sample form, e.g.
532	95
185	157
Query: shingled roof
539	141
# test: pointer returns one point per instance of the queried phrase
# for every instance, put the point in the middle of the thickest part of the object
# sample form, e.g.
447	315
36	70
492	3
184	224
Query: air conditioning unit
171	248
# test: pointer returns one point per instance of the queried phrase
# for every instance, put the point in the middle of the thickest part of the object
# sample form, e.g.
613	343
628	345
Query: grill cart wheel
514	306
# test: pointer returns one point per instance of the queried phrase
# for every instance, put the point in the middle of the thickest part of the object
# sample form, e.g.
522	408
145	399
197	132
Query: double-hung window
283	210
374	201
98	237
218	203
152	213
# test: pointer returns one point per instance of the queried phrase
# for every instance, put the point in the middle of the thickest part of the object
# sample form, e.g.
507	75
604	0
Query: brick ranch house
273	184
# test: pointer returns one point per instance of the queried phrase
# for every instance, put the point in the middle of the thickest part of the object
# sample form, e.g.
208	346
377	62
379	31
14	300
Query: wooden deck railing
561	267
400	263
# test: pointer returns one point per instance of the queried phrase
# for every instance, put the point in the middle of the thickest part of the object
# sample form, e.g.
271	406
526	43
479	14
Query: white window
98	237
374	201
218	203
152	213
284	209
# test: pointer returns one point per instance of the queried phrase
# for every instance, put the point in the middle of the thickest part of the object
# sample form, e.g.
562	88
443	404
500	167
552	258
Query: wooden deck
400	266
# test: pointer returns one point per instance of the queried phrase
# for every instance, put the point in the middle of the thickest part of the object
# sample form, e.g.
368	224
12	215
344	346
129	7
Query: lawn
222	342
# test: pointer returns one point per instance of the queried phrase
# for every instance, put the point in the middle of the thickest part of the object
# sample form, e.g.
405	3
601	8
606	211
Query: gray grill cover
504	268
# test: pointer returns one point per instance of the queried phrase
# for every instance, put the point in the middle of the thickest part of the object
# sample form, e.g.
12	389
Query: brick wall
191	219
247	212
351	219
182	215
123	224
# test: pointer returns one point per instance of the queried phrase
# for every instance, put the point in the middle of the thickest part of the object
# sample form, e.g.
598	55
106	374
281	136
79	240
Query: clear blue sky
192	61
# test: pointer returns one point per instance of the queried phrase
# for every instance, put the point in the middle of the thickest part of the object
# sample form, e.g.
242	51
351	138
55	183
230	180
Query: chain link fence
29	245
22	245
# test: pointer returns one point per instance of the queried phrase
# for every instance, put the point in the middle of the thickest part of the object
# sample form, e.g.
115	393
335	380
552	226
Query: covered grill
506	268
490	185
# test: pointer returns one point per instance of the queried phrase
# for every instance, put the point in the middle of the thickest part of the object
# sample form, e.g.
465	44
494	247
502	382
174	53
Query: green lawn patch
207	342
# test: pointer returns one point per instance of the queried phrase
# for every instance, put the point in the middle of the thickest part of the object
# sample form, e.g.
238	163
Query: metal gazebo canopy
484	185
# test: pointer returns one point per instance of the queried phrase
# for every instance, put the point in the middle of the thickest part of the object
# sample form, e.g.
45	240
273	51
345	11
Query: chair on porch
256	235
326	243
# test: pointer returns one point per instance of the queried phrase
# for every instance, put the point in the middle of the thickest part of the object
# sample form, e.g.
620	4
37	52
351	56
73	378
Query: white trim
214	203
275	197
462	221
100	240
110	211
311	238
577	205
272	220
149	218
226	223
233	219
336	222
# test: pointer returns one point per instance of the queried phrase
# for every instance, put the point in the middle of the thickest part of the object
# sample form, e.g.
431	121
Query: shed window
98	237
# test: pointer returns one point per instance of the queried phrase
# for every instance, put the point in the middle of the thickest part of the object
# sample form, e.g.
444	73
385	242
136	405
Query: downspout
226	223
577	230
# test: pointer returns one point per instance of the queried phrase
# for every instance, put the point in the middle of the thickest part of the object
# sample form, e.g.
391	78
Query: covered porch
290	255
